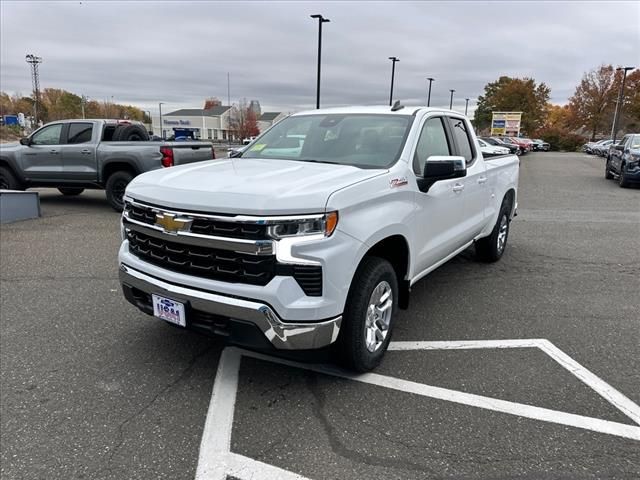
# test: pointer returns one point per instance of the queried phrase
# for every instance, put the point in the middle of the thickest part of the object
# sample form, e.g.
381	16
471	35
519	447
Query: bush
10	133
561	139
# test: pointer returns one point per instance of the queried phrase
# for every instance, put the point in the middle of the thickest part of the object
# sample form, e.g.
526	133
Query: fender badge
398	182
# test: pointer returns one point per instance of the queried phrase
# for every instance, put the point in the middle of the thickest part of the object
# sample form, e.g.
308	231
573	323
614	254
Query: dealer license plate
169	310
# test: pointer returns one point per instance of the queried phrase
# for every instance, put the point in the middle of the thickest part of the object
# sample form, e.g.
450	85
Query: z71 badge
398	182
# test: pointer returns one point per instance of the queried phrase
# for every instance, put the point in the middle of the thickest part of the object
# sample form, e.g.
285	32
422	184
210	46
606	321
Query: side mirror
619	146
438	168
25	141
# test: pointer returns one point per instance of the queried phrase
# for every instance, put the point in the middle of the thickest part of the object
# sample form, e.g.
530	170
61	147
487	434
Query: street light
429	94
161	129
321	20
618	112
466	106
393	71
451	100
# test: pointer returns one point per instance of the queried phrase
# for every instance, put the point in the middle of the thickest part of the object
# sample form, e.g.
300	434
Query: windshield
360	140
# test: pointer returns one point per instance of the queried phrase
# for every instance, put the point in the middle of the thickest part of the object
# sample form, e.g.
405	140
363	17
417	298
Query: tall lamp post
466	105
451	100
321	20
429	94
393	73
616	115
161	129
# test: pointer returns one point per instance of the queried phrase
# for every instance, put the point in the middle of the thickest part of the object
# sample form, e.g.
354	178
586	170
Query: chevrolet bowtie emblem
172	224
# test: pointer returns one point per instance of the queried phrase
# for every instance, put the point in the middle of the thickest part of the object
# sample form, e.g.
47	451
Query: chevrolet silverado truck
314	235
72	155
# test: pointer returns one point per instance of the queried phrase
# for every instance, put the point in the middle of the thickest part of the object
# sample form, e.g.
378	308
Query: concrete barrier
16	205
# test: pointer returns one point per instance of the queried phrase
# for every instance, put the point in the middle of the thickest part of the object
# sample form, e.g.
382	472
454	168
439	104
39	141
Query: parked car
72	155
590	146
623	160
514	141
601	148
528	142
321	246
489	150
513	148
540	145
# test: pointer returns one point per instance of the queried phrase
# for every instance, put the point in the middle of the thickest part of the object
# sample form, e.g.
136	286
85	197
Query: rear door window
462	139
80	132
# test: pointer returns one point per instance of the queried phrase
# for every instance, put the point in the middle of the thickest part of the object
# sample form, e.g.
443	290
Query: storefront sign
506	123
176	122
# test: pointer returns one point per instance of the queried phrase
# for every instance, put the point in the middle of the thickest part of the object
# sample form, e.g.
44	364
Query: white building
269	118
211	124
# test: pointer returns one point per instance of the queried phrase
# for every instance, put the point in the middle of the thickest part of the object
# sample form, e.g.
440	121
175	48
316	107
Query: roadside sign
506	123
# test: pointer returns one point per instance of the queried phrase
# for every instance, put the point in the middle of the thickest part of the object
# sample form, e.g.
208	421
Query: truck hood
247	186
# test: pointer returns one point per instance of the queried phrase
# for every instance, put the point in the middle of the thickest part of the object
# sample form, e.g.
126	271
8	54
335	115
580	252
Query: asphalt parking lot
90	388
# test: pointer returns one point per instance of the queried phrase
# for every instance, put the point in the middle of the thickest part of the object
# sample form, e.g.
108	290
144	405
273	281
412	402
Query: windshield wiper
318	161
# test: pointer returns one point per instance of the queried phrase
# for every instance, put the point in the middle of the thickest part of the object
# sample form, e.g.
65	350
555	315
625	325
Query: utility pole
34	61
83	102
618	112
466	106
393	72
429	94
161	128
228	90
321	20
451	100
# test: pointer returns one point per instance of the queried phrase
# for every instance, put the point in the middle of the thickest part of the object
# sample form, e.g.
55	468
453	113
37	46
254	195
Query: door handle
53	152
482	180
458	187
86	151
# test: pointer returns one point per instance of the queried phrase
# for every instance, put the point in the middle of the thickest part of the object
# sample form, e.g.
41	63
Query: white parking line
216	460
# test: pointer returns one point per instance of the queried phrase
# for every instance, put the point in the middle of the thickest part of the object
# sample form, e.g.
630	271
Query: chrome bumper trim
282	335
254	247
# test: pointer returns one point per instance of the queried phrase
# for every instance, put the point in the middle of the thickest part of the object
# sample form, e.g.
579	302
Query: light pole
393	72
161	129
466	106
429	94
451	100
321	20
618	112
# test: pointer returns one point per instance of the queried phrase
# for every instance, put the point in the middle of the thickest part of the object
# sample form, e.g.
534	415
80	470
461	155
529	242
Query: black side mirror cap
25	141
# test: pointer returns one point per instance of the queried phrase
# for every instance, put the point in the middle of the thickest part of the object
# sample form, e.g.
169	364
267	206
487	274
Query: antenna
397	106
34	61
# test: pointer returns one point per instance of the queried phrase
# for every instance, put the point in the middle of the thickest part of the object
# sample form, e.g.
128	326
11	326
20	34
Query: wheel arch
394	249
117	166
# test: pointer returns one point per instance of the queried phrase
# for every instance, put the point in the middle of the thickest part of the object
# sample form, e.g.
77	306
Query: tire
491	248
8	180
70	191
622	181
130	133
519	151
607	172
375	283
115	187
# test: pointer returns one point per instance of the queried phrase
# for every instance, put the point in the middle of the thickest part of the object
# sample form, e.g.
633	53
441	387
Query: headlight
311	225
123	233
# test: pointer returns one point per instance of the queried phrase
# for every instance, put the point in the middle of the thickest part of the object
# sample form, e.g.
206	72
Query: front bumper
230	316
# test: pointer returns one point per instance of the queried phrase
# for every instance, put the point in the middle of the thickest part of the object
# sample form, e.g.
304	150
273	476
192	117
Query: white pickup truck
315	234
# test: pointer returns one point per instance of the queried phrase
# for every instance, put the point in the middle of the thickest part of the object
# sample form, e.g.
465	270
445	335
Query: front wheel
8	180
368	316
491	248
622	181
70	191
115	187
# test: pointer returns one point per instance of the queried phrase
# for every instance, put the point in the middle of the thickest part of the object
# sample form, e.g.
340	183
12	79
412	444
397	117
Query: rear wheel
70	191
115	187
491	248
368	316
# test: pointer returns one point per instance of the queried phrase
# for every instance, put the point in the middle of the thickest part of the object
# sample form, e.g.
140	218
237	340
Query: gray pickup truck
72	155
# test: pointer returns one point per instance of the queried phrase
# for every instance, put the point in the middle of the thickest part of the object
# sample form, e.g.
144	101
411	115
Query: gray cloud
180	53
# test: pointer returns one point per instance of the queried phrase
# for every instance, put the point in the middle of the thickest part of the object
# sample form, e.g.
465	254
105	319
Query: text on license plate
169	310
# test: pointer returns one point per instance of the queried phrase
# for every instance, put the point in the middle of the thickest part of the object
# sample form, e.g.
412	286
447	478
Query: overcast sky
179	53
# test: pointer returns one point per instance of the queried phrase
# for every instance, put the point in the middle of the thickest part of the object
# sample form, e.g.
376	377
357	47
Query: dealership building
210	124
